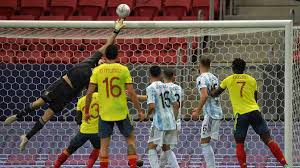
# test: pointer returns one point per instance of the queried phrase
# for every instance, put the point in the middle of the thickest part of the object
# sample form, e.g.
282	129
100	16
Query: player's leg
171	157
95	141
152	155
163	159
105	132
75	143
260	127
207	130
39	124
53	92
241	125
170	138
28	109
155	139
127	130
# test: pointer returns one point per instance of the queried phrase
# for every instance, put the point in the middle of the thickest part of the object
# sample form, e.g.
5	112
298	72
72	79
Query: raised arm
118	26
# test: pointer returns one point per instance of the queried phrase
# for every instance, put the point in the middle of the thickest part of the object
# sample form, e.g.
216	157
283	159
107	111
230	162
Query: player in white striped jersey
169	78
212	111
163	105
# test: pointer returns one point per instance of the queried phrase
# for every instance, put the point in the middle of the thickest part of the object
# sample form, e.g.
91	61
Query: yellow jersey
241	89
92	126
111	80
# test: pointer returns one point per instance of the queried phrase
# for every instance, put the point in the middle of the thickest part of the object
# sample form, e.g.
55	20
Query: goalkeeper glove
119	25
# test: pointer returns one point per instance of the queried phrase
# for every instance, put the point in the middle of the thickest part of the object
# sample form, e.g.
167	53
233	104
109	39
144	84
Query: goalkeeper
243	95
63	90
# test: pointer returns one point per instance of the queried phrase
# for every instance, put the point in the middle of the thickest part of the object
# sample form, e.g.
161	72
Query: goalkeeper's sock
28	108
104	162
163	159
92	158
209	155
172	159
153	158
275	149
61	159
36	128
241	155
132	160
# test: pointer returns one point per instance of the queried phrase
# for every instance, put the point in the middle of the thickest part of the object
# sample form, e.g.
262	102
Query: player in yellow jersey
88	132
242	90
112	80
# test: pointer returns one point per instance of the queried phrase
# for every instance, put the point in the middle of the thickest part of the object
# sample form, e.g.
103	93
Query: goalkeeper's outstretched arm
118	26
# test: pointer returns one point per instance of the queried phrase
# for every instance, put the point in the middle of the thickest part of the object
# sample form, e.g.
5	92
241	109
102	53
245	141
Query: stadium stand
8	7
80	18
22	17
65	7
92	8
176	7
150	8
104	9
52	17
33	7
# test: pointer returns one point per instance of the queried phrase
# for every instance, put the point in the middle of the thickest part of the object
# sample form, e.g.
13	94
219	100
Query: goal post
266	45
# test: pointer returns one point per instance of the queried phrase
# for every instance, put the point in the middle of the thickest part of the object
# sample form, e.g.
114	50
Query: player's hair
169	73
205	62
238	66
155	71
111	52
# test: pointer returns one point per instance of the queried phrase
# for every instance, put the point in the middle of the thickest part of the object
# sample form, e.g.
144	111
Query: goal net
34	54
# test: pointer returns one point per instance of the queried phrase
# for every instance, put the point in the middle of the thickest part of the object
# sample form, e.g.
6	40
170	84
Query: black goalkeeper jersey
80	74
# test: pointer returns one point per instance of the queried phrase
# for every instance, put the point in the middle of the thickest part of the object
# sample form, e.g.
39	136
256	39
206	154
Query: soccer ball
123	11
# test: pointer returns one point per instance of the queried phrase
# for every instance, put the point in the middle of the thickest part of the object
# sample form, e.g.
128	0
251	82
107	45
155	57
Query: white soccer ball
123	11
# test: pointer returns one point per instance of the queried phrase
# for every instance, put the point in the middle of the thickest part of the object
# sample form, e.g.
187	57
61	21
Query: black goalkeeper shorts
58	95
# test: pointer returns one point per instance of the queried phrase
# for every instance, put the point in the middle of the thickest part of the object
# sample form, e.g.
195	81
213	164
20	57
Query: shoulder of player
81	100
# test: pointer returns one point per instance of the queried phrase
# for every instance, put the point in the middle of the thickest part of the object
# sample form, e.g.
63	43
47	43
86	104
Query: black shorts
58	95
242	123
80	139
106	128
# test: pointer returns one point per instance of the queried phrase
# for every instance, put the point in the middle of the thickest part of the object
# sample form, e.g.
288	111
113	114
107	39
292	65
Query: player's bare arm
91	89
216	92
142	98
134	98
176	107
203	98
118	26
151	108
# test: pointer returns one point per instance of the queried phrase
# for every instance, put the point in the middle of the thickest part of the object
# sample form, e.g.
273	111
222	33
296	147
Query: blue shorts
106	128
81	138
243	121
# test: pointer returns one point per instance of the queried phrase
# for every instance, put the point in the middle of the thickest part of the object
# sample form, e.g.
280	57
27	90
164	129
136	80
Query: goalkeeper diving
63	90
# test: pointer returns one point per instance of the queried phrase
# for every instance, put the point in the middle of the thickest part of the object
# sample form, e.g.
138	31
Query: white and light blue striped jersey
179	95
163	98
212	106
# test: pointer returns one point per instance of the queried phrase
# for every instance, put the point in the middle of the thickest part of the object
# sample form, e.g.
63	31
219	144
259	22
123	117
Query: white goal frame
286	25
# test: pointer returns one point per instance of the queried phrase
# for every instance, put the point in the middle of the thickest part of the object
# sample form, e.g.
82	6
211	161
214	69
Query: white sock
163	159
172	159
153	158
209	155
